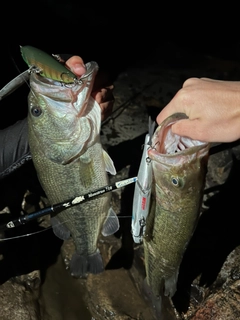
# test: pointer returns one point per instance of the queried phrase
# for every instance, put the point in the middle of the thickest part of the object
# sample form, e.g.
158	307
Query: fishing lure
142	191
47	66
15	83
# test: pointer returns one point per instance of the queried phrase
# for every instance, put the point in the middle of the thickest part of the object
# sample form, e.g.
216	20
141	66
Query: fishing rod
59	207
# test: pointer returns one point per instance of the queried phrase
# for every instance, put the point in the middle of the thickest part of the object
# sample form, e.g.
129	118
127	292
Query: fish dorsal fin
109	165
111	224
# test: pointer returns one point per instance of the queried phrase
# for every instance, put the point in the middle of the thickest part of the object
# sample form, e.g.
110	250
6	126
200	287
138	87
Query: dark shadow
131	154
216	236
28	247
14	186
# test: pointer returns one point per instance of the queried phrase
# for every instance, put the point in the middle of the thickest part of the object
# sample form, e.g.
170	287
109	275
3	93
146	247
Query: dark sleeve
14	146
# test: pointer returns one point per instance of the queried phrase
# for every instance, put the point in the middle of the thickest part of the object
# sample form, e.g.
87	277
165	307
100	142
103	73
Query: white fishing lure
142	191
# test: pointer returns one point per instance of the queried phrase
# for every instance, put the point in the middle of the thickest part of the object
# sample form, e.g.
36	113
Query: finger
193	129
106	109
182	102
103	95
106	100
76	65
212	80
190	82
99	96
170	109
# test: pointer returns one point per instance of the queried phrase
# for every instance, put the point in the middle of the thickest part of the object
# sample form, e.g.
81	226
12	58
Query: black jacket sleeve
14	146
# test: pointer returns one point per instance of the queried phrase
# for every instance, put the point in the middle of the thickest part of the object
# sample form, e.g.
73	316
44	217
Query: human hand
101	93
212	107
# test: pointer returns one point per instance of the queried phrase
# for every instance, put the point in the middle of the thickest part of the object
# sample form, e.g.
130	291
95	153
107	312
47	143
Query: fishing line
124	105
22	220
50	227
16	82
25	235
22	77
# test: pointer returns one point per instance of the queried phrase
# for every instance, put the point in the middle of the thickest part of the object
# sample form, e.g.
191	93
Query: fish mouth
77	93
91	68
169	144
69	120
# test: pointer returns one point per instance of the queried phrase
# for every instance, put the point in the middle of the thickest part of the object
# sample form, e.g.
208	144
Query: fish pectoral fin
111	224
81	265
59	229
85	158
109	163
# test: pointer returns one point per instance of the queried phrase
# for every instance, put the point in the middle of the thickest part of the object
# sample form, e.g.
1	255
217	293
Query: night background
115	35
118	36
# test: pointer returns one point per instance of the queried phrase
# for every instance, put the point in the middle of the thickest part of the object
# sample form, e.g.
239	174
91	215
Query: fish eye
176	181
36	111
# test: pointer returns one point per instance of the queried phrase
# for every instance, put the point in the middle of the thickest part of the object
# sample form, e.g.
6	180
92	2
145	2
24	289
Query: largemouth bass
179	167
64	125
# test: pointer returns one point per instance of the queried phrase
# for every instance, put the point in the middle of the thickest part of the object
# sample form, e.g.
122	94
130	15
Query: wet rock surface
35	282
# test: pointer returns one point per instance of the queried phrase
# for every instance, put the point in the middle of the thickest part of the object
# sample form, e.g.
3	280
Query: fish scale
61	182
177	192
64	140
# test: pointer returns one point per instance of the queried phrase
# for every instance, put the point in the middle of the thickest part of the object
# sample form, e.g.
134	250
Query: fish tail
81	265
161	304
78	266
95	263
155	301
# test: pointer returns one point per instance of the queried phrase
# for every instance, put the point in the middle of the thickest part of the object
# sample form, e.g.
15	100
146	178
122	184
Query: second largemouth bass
64	138
179	167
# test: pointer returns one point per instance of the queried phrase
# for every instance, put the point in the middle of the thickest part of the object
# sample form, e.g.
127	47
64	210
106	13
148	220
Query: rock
18	302
224	298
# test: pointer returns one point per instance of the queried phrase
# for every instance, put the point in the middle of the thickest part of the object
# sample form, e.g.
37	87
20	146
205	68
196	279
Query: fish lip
91	68
77	93
167	144
72	113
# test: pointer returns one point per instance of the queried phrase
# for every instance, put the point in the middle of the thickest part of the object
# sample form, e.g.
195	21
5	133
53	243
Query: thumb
189	128
76	65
